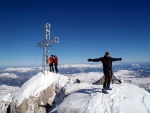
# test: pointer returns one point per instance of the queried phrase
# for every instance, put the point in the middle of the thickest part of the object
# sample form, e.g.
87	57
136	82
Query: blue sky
86	29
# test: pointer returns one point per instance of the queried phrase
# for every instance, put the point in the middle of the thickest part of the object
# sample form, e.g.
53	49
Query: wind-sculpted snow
37	83
33	87
124	98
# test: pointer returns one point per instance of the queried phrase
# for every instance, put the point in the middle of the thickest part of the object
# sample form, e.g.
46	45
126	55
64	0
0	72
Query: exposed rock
114	79
39	104
39	94
128	81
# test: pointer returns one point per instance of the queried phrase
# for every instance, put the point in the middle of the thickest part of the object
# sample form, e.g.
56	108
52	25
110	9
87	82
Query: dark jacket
106	61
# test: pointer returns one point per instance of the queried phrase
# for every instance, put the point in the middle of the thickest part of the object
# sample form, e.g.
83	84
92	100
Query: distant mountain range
18	76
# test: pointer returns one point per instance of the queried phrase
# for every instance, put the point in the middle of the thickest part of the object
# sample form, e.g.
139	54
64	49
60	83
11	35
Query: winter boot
104	91
108	88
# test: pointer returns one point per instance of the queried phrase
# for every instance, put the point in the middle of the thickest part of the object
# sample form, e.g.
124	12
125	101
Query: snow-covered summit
124	98
83	97
38	83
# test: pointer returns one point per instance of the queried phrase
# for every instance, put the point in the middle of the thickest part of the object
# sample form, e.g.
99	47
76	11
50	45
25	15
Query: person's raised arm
95	60
116	59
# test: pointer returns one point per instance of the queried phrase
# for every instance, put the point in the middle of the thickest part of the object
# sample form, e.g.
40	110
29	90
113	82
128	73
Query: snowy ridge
34	86
124	98
37	84
60	80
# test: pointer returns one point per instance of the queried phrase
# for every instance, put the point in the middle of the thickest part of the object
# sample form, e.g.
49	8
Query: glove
120	59
89	59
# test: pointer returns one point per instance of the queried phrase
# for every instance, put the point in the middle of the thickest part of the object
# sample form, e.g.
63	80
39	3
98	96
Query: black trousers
108	78
56	69
51	67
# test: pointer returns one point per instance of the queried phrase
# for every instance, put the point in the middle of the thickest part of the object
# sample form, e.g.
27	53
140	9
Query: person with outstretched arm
107	69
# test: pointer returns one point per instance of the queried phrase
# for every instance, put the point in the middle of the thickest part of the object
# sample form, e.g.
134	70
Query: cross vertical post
45	44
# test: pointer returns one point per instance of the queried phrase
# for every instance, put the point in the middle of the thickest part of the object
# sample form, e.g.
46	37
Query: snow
23	69
34	86
12	75
124	98
136	65
89	77
81	65
137	98
86	96
38	83
6	91
60	80
6	94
